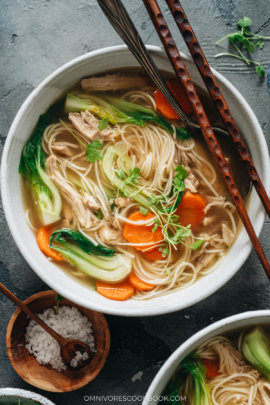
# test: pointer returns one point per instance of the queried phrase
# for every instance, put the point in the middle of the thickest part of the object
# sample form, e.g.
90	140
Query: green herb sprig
58	299
103	123
245	40
92	151
134	176
99	214
144	211
120	173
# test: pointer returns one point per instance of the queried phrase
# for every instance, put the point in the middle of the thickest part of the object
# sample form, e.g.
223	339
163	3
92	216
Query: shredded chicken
187	158
90	202
109	235
264	390
199	253
218	203
204	261
193	179
104	208
122	202
227	235
84	215
213	237
62	150
210	220
67	211
87	124
51	166
211	199
112	82
230	360
201	258
190	186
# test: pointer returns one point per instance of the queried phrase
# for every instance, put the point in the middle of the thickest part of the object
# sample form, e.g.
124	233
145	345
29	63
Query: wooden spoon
69	347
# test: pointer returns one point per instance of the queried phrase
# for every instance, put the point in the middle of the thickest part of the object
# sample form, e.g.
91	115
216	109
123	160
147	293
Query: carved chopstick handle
215	92
183	75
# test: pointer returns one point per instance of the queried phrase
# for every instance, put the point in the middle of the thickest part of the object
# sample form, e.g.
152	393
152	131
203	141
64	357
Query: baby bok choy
98	107
112	153
192	365
119	110
201	395
256	350
32	166
96	261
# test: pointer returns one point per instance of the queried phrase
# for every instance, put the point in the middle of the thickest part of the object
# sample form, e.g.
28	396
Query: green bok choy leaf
256	350
96	261
192	364
119	110
146	114
201	395
32	165
98	107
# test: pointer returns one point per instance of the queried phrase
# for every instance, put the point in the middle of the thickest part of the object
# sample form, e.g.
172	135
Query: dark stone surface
36	38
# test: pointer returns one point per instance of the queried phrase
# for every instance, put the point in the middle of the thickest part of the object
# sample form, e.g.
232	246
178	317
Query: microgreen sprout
58	299
166	218
144	211
248	41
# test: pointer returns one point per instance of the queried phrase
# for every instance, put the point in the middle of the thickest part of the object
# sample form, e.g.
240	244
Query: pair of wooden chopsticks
215	92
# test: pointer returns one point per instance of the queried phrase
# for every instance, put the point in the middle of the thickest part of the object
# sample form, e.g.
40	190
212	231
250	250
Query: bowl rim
19	392
91	376
104	306
234	319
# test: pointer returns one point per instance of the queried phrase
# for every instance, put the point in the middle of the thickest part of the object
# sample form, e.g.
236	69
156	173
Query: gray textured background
38	36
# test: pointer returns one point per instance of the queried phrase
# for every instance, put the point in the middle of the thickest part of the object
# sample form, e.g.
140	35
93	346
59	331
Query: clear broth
231	155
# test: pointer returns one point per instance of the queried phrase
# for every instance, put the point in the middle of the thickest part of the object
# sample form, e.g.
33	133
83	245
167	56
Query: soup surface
121	195
225	370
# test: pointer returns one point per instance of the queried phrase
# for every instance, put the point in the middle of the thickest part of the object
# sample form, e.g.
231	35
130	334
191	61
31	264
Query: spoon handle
120	20
28	312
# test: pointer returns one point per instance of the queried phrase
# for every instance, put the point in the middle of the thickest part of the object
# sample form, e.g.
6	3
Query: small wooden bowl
45	377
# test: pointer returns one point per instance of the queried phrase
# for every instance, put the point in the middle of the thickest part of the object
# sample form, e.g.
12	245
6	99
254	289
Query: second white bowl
244	320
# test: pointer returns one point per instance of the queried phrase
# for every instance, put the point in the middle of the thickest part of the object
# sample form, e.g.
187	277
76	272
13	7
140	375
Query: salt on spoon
69	347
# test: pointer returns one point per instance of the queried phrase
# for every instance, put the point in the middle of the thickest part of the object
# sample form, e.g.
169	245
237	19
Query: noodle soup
122	197
226	370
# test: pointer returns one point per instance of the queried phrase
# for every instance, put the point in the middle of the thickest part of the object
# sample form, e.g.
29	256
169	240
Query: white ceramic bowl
38	101
162	378
7	395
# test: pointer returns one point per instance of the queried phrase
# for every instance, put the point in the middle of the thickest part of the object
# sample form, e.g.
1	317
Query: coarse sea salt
69	323
79	356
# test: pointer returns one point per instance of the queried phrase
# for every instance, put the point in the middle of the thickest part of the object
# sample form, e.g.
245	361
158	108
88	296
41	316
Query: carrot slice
153	254
139	284
43	241
191	210
118	292
141	233
165	108
212	367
